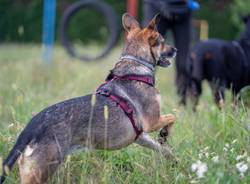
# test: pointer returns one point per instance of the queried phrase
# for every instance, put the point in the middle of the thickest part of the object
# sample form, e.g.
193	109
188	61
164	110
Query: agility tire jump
111	22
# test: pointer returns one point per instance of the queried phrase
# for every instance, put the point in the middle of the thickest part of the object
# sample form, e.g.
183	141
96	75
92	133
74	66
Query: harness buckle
103	92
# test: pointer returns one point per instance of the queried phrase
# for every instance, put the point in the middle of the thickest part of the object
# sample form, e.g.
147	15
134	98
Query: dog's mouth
164	60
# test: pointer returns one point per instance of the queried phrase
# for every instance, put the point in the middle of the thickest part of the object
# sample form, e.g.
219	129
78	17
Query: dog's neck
131	65
125	68
139	51
138	60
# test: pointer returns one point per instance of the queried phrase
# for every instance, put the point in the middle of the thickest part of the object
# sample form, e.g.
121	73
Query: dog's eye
157	43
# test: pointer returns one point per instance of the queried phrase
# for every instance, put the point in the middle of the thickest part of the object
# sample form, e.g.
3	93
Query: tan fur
208	56
163	121
38	167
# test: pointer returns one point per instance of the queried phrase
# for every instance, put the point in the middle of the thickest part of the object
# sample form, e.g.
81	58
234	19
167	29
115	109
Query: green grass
27	86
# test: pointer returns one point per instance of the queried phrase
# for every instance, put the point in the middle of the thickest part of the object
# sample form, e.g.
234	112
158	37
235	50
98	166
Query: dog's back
205	59
217	60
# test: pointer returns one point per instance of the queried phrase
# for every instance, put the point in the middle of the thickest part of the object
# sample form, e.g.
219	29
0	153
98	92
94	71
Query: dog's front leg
164	133
164	120
145	140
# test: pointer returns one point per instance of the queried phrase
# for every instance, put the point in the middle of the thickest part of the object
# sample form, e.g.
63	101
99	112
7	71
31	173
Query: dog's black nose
174	49
172	52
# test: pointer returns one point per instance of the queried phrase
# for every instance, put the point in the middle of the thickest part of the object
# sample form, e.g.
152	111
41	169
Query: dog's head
147	42
246	18
245	35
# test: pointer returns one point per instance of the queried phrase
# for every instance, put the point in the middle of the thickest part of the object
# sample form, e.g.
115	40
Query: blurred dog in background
224	64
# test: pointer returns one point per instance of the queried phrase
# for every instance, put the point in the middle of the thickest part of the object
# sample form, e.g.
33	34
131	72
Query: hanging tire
111	23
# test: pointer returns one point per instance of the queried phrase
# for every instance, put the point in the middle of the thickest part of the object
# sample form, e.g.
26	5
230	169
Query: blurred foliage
244	95
21	20
224	17
94	26
239	9
217	14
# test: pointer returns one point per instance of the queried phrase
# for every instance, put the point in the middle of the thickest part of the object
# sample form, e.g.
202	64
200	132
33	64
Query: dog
122	111
224	64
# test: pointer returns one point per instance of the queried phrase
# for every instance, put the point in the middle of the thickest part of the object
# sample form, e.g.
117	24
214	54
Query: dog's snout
174	49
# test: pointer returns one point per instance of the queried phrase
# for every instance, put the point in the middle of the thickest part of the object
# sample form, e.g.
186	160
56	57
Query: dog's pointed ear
152	26
129	22
154	22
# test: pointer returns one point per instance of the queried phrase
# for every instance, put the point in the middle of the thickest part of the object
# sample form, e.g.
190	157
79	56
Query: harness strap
128	111
124	106
146	79
122	102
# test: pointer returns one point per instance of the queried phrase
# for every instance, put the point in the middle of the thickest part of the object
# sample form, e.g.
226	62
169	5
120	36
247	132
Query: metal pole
49	15
132	7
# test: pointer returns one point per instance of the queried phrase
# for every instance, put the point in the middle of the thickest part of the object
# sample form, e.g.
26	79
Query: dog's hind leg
38	163
218	92
145	140
219	98
182	83
196	90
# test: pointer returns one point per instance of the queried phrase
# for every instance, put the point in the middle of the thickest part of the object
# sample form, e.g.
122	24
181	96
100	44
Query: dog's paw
163	134
162	139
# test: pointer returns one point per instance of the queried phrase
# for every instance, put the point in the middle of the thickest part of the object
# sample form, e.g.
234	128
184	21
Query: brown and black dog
224	64
121	112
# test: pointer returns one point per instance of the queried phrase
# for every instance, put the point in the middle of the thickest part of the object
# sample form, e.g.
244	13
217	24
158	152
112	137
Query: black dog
224	64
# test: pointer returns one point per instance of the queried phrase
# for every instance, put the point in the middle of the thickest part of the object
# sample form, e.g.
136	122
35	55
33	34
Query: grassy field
213	146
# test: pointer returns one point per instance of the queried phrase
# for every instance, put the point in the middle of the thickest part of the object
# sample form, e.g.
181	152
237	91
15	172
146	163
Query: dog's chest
150	103
158	98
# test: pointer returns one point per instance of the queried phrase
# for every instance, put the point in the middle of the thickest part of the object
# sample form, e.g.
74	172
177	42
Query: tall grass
27	86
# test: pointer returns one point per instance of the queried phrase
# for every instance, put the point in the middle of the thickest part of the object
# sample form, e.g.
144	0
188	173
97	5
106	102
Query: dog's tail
22	141
32	131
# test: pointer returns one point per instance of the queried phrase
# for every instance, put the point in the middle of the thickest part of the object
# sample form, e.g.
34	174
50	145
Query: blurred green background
21	20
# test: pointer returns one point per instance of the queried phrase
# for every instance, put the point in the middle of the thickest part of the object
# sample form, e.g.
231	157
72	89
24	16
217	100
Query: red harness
121	101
